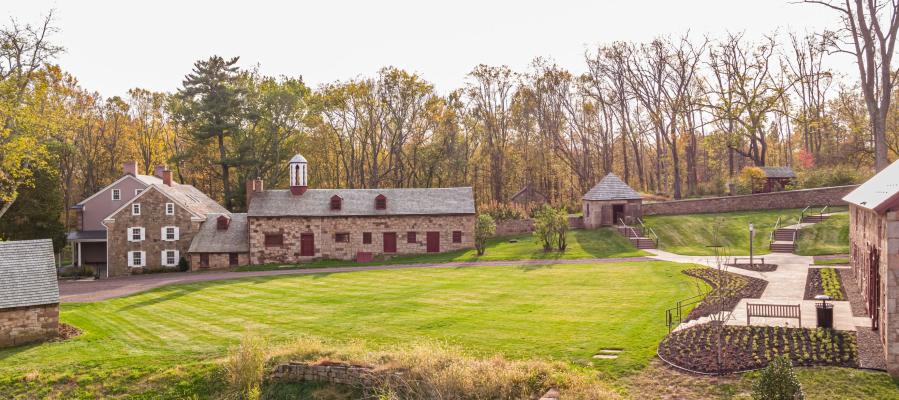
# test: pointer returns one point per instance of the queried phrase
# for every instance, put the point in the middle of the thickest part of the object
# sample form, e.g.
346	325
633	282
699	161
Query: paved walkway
96	290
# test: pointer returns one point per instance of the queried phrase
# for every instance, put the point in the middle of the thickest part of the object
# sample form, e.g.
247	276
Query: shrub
750	180
245	368
830	176
551	228
183	266
778	382
484	229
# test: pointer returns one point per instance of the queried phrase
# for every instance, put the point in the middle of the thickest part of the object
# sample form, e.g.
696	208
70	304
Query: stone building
220	243
302	224
874	255
29	294
610	202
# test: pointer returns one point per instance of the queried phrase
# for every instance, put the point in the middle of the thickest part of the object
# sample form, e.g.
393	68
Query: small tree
484	229
545	227
183	266
561	225
778	382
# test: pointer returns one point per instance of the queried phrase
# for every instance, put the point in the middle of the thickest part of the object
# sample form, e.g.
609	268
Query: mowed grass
598	243
173	334
830	236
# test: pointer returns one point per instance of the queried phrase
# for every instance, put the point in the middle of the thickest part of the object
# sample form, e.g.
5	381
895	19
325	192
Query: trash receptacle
824	311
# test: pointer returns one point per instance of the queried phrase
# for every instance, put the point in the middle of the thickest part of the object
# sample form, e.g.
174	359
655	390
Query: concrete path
96	290
786	285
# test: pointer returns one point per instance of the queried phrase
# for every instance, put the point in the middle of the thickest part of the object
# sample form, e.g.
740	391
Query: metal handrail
802	214
670	319
642	225
776	226
633	231
821	213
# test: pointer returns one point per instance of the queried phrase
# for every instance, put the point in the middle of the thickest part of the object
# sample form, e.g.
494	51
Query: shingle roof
612	188
778	172
212	240
192	199
878	193
149	179
86	235
27	273
361	202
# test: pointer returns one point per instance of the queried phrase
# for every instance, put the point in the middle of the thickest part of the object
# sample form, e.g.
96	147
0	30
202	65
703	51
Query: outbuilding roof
880	192
612	188
210	239
778	172
361	202
27	273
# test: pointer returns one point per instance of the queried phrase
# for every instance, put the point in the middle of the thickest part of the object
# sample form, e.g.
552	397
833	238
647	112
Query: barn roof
612	188
361	202
210	239
27	273
778	172
880	192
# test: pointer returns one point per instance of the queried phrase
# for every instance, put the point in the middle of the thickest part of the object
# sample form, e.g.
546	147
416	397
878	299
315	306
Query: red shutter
410	237
457	236
380	202
366	237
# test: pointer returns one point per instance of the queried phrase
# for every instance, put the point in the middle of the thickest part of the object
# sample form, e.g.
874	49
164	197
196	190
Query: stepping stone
611	351
605	356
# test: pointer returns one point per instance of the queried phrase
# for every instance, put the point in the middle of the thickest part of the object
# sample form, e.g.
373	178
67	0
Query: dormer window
380	202
222	223
336	203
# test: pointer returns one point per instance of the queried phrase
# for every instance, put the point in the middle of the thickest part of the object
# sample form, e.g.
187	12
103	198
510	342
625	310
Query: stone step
814	218
643	243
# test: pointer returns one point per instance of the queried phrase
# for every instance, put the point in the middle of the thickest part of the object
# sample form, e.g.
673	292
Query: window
366	237
457	236
136	258
135	234
137	191
274	239
169	208
116	194
169	233
335	202
380	202
135	209
169	258
204	260
410	237
233	259
342	237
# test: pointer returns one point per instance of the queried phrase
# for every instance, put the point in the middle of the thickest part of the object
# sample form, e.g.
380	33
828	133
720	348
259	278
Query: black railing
675	315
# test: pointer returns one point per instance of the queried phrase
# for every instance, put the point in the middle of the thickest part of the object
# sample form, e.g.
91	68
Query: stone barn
29	293
610	202
874	255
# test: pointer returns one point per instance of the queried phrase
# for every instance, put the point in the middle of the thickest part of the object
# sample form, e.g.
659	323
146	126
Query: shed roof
880	192
361	202
778	172
27	273
210	239
612	188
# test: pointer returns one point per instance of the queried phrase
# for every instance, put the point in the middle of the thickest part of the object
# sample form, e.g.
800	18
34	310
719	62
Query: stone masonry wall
152	218
21	325
832	196
217	261
525	226
324	230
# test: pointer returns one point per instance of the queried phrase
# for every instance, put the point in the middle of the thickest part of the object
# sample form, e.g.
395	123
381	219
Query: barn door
390	242
874	286
307	245
433	242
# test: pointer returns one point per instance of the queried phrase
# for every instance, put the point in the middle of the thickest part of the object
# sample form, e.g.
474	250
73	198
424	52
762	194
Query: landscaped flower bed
824	281
758	267
750	347
736	287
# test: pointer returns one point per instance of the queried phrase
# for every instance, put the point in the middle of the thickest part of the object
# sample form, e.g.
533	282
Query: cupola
297	168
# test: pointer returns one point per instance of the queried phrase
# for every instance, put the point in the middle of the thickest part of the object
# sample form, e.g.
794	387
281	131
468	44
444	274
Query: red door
307	245
433	242
390	242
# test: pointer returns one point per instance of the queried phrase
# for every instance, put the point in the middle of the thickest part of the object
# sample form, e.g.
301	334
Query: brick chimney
130	168
253	186
157	172
167	178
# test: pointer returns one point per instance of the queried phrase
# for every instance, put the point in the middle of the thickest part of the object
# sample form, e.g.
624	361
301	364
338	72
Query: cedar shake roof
361	202
778	172
612	188
210	239
880	192
27	273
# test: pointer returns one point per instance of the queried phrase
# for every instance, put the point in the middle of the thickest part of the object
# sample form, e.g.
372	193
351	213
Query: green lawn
598	243
166	341
833	261
830	236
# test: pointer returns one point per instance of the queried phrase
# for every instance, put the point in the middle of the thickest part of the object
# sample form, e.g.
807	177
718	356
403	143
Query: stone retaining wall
341	374
21	325
524	226
832	196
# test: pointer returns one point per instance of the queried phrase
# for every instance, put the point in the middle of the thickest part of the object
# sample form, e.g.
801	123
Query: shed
528	196
776	179
29	293
611	202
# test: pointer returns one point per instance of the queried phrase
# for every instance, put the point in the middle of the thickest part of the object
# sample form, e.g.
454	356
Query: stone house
29	294
874	255
302	224
610	202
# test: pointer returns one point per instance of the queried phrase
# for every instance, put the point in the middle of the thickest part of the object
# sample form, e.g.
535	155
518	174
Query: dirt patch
67	332
824	281
758	267
751	347
736	287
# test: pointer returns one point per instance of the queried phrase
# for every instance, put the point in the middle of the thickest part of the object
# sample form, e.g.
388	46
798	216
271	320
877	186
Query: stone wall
832	196
21	325
217	261
152	218
325	230
525	226
340	374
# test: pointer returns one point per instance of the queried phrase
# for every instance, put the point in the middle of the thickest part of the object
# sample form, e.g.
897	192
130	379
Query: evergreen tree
36	213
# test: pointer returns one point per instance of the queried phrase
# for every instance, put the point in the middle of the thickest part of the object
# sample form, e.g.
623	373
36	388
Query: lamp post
751	237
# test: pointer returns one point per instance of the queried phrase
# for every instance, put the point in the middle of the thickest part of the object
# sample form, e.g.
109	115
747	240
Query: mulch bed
758	267
67	332
736	287
856	301
747	348
814	285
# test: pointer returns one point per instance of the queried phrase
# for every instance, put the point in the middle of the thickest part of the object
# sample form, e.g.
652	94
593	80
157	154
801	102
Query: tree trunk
226	187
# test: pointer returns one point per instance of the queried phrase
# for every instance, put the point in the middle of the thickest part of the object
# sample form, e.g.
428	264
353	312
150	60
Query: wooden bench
773	311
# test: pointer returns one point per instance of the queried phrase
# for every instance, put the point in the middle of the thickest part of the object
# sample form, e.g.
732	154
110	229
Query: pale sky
112	46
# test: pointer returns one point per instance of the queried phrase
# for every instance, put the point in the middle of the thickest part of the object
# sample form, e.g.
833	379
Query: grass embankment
830	236
833	261
599	243
168	342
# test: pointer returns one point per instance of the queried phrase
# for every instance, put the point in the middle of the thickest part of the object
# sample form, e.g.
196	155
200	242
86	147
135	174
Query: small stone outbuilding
874	255
221	243
610	202
29	293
